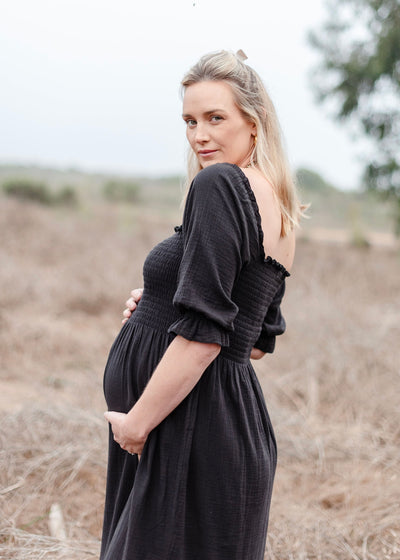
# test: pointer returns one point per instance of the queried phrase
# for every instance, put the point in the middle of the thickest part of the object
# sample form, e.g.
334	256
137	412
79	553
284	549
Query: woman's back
281	249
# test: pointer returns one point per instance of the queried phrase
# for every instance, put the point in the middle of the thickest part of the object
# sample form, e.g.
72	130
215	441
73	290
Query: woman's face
215	127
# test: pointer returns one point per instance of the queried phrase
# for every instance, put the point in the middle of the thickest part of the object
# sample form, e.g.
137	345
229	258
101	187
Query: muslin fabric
202	488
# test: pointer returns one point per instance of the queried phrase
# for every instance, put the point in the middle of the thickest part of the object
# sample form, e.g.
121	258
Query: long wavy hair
256	106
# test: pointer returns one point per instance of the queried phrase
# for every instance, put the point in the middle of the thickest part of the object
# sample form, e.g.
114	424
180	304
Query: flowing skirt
202	488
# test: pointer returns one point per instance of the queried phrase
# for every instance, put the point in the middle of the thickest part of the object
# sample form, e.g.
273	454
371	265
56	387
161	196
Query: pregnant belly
133	357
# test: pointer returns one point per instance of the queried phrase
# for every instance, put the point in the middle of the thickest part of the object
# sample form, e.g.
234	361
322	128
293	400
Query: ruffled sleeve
216	232
274	323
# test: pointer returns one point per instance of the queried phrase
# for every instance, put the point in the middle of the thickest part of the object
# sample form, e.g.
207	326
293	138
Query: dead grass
51	455
332	386
334	404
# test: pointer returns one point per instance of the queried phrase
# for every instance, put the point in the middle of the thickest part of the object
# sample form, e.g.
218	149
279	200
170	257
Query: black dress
202	488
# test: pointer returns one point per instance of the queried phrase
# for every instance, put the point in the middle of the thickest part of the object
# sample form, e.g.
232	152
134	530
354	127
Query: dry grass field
332	386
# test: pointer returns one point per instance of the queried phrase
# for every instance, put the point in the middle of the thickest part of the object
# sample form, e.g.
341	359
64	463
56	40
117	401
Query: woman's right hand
131	303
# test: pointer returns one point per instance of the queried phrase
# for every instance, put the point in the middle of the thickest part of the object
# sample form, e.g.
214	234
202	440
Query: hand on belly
124	433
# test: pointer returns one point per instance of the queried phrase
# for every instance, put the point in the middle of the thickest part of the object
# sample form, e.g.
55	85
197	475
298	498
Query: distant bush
66	197
37	191
308	179
357	234
121	191
27	189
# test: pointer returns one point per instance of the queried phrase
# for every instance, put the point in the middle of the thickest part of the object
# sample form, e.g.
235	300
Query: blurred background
92	163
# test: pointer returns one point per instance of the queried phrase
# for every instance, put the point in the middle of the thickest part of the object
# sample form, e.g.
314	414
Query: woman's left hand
256	354
131	303
123	433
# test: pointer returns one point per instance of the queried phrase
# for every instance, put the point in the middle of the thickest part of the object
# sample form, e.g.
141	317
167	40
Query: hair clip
241	55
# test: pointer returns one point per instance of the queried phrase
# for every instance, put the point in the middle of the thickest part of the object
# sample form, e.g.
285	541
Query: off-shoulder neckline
267	259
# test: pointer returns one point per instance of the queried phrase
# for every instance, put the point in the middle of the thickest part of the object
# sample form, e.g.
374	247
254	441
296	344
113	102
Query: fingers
126	314
109	416
112	416
131	303
125	439
136	294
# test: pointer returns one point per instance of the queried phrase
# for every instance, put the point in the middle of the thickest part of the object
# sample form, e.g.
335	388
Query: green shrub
66	197
121	191
27	189
37	191
357	235
312	181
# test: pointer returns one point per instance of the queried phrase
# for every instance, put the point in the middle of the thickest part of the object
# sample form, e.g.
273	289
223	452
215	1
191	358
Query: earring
255	140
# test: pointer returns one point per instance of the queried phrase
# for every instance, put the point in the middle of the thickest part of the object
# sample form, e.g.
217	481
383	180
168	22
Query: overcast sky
95	84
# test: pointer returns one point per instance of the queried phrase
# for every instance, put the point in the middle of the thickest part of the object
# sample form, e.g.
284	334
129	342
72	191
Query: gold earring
255	140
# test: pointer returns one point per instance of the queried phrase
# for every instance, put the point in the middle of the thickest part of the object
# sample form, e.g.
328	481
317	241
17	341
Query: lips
206	152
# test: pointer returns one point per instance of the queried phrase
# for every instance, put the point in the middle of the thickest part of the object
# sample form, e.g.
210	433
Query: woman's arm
175	376
131	305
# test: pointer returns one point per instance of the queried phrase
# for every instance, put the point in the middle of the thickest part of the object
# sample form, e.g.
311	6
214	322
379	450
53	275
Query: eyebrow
205	112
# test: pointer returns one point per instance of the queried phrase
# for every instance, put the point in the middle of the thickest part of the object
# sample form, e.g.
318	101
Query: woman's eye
191	123
216	118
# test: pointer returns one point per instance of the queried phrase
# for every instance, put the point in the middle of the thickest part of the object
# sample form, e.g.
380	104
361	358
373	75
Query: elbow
202	352
206	353
213	351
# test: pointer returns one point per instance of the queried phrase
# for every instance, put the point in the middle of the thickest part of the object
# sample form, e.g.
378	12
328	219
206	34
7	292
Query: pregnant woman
192	453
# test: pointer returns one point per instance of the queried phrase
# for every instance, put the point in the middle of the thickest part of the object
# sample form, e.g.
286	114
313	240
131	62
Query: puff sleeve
273	324
216	232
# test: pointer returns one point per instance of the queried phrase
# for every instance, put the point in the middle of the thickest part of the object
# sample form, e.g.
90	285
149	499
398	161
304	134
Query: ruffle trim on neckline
267	259
253	200
277	265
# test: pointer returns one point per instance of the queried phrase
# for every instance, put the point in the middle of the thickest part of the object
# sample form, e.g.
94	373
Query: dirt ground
332	386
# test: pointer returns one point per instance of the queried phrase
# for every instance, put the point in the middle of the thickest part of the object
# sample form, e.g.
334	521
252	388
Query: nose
201	133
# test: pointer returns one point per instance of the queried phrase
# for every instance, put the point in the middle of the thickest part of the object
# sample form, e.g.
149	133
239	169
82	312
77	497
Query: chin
207	163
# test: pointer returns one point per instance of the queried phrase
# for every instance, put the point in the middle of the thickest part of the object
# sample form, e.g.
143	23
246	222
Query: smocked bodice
253	292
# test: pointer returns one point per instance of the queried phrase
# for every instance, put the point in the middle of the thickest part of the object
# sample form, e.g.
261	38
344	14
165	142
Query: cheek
245	139
189	138
238	143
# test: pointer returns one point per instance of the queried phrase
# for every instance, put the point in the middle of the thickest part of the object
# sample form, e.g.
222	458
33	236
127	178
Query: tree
360	74
311	180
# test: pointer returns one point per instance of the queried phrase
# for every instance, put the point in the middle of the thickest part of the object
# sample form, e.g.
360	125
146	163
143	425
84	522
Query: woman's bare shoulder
267	202
257	180
280	248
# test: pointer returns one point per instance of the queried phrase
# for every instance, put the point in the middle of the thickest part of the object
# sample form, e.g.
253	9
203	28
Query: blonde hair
256	106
